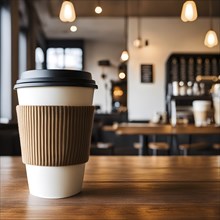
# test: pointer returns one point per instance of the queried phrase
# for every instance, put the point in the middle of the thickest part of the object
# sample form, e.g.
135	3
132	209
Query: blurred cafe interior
145	102
155	136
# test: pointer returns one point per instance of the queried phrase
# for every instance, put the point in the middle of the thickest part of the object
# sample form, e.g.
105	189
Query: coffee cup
55	117
200	111
216	105
216	102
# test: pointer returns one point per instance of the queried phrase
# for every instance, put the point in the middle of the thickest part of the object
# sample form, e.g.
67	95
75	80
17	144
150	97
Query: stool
137	145
216	146
155	146
185	147
104	145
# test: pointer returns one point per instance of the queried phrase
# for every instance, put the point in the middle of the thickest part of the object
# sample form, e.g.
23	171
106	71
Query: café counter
121	187
160	129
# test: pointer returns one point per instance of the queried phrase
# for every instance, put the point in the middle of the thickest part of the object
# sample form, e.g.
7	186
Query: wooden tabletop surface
161	129
121	187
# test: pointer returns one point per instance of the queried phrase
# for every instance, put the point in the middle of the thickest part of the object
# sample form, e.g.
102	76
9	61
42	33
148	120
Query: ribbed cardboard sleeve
55	135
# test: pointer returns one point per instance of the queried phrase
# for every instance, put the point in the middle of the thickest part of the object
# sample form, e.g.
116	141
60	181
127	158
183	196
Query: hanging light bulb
98	9
189	11
73	28
67	12
122	75
138	41
124	55
211	39
122	70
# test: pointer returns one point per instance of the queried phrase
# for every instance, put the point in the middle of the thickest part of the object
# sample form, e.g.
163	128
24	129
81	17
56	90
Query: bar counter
117	187
144	130
161	129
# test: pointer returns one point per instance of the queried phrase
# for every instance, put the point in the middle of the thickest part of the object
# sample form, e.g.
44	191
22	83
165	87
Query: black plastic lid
38	78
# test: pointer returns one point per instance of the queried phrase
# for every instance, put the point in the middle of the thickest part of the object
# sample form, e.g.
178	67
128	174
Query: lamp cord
139	22
210	14
126	23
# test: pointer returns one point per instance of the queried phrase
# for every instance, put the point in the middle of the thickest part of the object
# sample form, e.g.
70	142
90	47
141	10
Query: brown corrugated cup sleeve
55	135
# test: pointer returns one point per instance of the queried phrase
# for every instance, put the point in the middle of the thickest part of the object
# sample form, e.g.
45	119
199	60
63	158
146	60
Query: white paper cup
216	104
200	110
70	88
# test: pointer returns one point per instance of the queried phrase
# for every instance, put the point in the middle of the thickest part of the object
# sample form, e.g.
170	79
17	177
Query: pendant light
73	28
67	12
98	8
122	71
189	11
138	41
211	38
125	54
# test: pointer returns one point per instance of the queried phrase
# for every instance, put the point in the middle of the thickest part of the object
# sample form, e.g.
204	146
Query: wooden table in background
165	129
146	129
117	187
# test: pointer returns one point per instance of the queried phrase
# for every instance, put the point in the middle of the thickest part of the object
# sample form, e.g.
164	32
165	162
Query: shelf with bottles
187	66
189	73
188	88
190	98
189	77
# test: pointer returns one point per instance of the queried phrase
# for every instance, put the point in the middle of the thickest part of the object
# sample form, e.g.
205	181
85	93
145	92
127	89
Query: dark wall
9	140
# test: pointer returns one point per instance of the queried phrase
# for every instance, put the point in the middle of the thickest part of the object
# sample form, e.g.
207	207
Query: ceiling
109	25
118	8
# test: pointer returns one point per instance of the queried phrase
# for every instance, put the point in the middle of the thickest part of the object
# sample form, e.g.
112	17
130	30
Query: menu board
146	73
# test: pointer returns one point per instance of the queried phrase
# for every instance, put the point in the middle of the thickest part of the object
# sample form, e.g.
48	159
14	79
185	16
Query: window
22	52
39	58
5	61
73	58
0	53
65	54
65	58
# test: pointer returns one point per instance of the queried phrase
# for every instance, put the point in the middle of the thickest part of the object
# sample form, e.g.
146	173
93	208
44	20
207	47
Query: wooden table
146	129
118	187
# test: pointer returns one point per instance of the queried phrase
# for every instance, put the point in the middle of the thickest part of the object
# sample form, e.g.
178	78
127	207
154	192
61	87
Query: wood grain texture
160	129
117	187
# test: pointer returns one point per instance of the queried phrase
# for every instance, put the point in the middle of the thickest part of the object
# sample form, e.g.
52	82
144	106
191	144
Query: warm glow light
118	92
124	55
67	12
189	11
137	43
73	28
122	75
211	39
98	10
